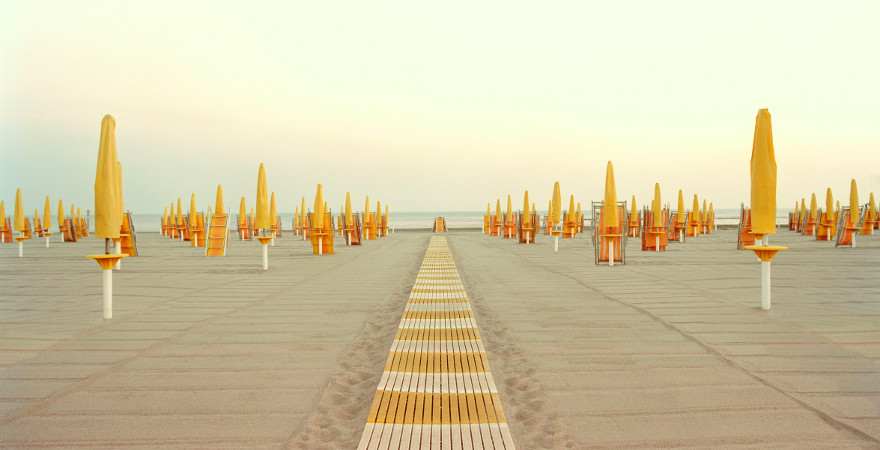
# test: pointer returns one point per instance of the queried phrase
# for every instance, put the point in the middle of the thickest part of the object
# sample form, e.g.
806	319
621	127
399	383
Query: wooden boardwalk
437	391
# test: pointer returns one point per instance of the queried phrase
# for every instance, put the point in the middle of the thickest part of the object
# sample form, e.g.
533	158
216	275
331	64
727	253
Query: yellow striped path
436	391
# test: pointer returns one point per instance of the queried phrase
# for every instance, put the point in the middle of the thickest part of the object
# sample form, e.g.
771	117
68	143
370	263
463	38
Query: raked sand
667	351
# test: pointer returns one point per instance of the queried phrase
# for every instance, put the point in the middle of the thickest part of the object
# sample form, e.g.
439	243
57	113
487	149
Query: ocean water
408	220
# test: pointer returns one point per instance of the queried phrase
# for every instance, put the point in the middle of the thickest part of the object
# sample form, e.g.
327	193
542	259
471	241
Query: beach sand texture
669	351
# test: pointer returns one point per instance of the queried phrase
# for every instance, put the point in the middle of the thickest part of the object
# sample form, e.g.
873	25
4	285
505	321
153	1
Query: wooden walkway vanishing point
436	391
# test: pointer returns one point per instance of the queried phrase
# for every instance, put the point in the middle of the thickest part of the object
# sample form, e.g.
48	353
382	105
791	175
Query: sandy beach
669	351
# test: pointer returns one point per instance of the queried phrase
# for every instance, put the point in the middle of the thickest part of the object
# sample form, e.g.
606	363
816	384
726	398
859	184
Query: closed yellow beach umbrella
656	207
508	216
385	219
711	217
872	205
2	215
488	209
367	210
108	217
262	221
219	208
498	211
273	210
179	219
47	214
570	212
193	213
319	208
814	206
829	205
302	211
705	211
695	208
242	210
803	210
526	214
763	176
60	213
349	217
680	214
609	205
796	209
378	214
633	210
296	217
556	204
853	202
165	216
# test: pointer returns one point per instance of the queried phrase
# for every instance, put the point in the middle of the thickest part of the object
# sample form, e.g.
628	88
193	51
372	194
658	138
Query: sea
416	220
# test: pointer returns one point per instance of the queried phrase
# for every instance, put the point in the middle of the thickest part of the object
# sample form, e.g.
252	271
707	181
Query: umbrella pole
119	252
21	247
555	244
657	243
265	248
348	242
107	278
320	246
47	242
610	253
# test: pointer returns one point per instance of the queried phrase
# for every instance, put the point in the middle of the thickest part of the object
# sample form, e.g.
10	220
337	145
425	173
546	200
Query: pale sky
437	105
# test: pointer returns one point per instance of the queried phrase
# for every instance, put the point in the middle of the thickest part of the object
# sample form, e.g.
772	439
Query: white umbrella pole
265	256
657	243
119	252
320	246
47	242
20	249
765	285
107	282
556	244
610	253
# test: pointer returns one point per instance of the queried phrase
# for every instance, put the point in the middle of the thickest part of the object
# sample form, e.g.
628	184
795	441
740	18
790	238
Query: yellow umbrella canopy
349	217
296	216
36	217
802	212
262	219
242	209
179	212
72	212
814	205
385	220
193	213
488	209
498	211
711	212
680	213
108	217
705	210
633	211
2	215
79	213
695	208
165	216
302	211
853	202
872	205
556	204
796	210
508	216
570	212
609	204
763	175
378	212
47	214
366	208
526	214
578	210
60	212
273	209
319	208
656	207
219	208
829	205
